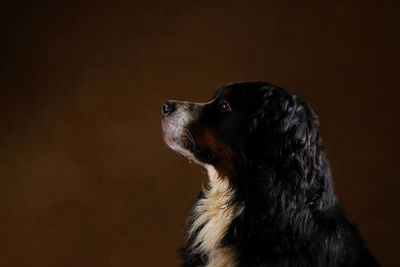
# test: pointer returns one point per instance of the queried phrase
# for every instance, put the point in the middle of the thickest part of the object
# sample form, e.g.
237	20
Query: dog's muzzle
176	119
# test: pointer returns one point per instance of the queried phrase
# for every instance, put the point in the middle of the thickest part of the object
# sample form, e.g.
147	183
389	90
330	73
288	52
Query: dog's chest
213	214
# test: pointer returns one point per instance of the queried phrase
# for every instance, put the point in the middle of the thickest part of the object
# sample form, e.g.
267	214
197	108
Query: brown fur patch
226	91
221	152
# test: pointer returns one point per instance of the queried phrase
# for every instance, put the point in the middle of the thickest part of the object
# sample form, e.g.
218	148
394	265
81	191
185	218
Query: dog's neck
213	214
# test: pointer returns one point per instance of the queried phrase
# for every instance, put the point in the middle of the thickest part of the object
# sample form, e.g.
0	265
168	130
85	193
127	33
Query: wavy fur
282	209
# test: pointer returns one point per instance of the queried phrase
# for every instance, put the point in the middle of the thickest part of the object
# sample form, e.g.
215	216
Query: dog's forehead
242	88
230	91
226	90
222	91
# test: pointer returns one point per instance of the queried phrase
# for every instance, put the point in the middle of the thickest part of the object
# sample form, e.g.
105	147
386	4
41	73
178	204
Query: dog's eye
225	106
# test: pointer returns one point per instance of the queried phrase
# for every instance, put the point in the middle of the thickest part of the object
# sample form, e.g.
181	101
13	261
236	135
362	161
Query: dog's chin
174	138
179	146
169	140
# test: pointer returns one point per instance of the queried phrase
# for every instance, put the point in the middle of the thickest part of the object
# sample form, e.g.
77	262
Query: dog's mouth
181	140
168	134
180	133
178	137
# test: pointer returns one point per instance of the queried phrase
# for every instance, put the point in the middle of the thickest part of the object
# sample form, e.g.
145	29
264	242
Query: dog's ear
284	137
299	124
298	141
282	126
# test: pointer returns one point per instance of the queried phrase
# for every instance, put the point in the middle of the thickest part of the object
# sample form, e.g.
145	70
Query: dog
269	199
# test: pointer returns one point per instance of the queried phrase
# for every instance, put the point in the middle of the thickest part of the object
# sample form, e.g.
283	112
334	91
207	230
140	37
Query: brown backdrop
85	178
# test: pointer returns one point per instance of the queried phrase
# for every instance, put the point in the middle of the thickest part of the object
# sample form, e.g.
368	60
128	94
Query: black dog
270	199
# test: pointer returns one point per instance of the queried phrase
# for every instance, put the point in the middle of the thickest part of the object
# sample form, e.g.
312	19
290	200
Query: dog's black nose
167	108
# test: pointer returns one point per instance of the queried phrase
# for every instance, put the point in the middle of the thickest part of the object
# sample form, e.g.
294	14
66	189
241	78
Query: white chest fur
216	213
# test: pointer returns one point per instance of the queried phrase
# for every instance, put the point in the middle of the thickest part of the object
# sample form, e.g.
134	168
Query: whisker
190	137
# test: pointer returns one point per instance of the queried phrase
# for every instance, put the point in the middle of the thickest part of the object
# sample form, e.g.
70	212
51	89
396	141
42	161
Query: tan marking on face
226	91
214	212
220	151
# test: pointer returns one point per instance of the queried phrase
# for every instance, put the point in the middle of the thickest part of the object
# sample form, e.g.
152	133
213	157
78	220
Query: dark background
85	178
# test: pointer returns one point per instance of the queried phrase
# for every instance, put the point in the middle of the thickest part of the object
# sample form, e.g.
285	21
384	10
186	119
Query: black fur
281	176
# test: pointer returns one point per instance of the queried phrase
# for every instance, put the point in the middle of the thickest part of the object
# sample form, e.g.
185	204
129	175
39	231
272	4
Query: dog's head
243	123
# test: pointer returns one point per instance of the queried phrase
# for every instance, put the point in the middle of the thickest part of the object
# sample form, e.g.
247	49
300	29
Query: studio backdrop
85	177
